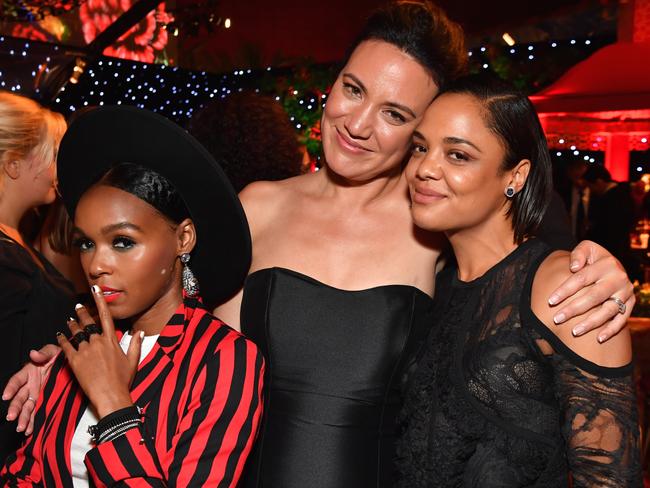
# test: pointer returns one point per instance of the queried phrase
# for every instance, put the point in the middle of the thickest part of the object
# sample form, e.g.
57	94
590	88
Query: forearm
212	440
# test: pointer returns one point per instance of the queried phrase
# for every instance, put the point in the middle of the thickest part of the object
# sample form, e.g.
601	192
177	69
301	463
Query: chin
424	220
49	197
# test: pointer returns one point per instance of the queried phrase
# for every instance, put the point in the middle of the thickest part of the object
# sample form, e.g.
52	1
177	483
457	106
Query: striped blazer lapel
152	372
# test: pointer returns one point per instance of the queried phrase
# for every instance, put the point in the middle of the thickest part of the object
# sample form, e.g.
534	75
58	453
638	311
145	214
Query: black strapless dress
337	363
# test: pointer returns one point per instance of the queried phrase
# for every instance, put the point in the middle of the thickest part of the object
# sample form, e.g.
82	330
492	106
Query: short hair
510	115
597	172
422	30
251	137
150	187
28	131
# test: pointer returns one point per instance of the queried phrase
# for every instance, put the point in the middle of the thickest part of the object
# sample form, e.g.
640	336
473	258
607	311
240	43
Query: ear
519	175
186	233
11	165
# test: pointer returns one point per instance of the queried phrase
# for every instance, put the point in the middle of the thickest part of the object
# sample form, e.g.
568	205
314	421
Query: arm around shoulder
616	352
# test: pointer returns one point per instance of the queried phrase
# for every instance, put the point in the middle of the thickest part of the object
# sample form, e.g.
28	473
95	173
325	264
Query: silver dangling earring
510	192
190	283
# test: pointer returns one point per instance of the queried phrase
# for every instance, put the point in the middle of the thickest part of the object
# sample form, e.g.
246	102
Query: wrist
116	424
108	406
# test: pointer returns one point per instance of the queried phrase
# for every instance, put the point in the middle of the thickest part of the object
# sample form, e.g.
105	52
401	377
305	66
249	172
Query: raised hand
102	369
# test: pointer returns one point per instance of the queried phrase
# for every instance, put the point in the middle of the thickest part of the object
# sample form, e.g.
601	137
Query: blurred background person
570	185
35	299
612	216
251	137
54	241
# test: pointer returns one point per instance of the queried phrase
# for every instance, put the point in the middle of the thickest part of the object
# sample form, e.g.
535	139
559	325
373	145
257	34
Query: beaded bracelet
115	424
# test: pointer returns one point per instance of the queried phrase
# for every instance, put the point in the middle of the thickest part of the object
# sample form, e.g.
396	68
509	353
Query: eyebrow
396	105
112	228
458	140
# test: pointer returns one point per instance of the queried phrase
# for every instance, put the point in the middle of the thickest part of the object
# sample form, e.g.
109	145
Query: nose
98	263
359	122
429	168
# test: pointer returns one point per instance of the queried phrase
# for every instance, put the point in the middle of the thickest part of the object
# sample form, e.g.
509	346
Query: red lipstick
110	294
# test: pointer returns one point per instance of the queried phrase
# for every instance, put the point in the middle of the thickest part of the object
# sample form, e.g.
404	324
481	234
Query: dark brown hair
422	30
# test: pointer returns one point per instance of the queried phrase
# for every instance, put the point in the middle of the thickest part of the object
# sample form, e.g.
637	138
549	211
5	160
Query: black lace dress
486	408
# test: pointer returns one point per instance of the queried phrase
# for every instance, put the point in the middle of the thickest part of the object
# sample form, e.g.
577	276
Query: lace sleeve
599	422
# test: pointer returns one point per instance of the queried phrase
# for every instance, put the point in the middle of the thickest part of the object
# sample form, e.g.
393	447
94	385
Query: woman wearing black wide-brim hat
173	395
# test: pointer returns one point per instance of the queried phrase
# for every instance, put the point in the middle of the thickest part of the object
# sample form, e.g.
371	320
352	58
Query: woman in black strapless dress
337	361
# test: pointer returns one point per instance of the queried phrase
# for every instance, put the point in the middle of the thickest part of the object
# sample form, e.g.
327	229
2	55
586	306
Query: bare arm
595	390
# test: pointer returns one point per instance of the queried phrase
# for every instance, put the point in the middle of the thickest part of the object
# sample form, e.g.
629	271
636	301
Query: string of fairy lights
178	93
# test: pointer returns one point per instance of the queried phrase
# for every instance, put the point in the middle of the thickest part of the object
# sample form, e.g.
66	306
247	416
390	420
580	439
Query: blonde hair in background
28	132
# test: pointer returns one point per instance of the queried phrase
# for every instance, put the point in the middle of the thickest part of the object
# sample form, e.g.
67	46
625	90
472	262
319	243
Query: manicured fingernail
70	319
96	289
58	334
559	318
602	338
142	334
577	331
574	265
553	300
78	306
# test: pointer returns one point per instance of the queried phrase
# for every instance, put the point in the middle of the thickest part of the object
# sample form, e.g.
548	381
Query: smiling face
455	172
375	103
129	250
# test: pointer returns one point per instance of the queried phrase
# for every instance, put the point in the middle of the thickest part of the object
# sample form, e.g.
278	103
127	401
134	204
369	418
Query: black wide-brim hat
101	138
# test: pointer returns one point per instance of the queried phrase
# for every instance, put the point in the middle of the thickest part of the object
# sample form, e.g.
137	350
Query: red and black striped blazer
200	388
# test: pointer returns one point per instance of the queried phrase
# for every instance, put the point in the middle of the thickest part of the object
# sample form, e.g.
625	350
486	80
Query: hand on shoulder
616	352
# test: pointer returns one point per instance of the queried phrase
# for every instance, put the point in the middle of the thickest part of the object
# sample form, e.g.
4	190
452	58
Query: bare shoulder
553	271
263	200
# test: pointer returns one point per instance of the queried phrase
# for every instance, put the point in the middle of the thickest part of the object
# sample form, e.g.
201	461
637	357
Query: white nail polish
78	306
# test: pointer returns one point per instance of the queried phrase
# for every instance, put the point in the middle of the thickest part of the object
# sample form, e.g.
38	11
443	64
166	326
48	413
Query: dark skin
130	256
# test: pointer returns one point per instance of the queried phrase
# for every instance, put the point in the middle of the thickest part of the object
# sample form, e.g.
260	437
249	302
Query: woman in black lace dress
502	397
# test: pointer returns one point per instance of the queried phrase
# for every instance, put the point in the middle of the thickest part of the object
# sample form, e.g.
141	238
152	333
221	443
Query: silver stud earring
190	283
510	192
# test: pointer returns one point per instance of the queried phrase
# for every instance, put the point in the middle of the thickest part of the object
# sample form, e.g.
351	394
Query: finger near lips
105	316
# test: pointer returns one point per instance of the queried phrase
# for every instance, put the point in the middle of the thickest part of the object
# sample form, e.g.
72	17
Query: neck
478	249
11	212
154	319
354	194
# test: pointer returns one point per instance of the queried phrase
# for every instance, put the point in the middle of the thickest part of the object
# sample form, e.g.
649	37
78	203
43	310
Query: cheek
336	106
393	139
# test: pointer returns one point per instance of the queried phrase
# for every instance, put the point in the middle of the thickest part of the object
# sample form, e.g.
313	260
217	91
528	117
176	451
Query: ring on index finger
620	303
91	329
78	338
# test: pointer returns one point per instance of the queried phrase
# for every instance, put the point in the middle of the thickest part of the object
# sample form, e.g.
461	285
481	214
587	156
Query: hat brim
103	137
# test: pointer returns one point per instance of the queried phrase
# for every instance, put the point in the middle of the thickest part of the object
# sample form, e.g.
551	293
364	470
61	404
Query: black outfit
487	408
612	216
336	363
34	305
555	227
